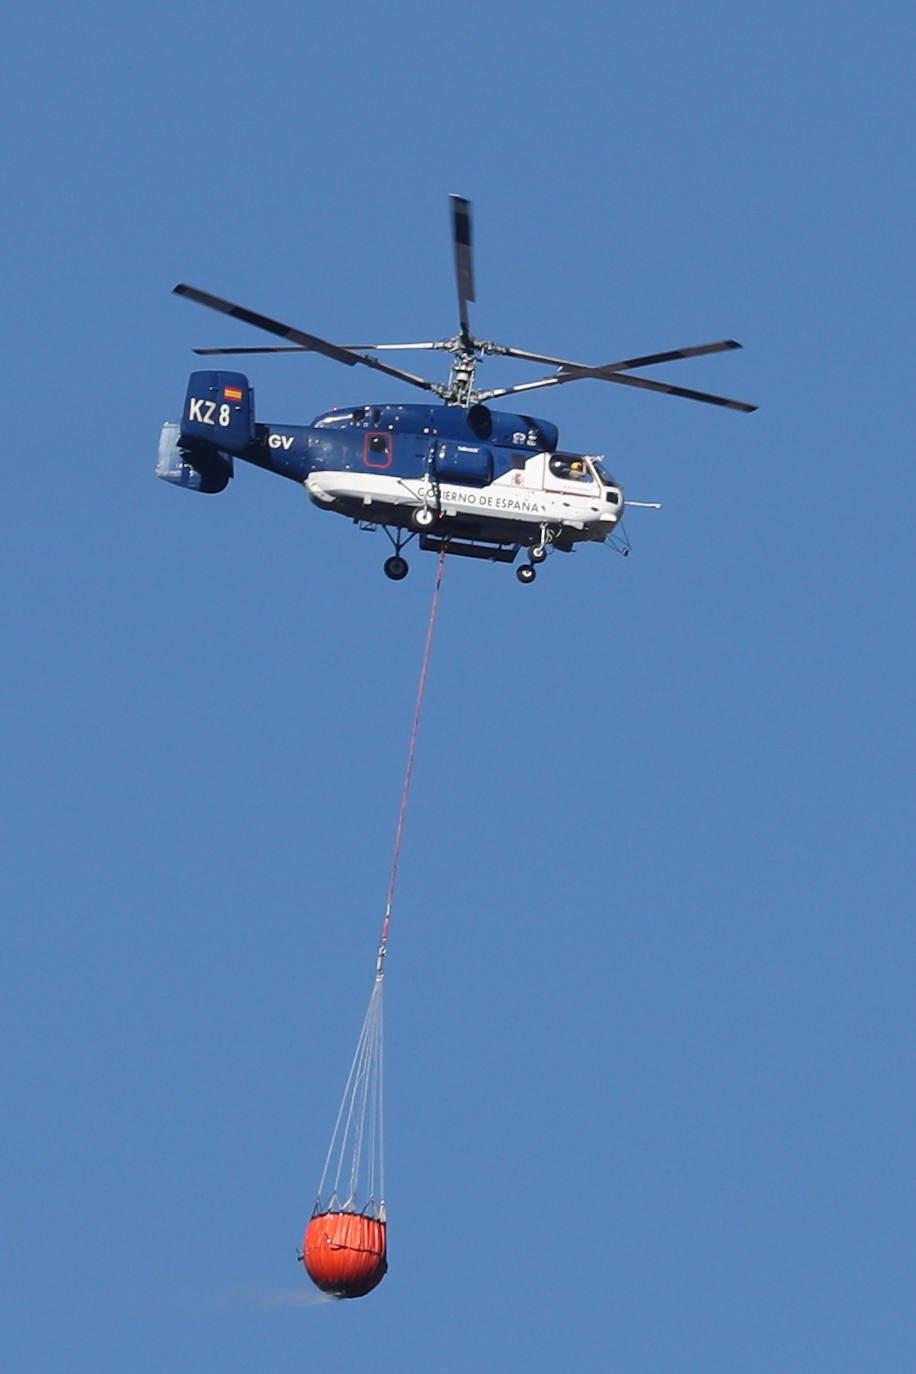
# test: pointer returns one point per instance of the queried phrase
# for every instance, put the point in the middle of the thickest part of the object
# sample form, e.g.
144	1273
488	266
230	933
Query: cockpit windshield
602	472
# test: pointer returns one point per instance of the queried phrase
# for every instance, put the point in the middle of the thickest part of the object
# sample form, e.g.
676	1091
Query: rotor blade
651	358
418	347
502	351
227	352
464	264
603	375
698	350
299	348
297	336
648	384
285	331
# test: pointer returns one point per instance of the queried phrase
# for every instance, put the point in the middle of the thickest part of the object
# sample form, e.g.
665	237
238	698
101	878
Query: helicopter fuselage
465	478
473	474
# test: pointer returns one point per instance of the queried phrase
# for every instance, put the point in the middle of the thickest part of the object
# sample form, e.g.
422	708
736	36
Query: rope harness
359	1128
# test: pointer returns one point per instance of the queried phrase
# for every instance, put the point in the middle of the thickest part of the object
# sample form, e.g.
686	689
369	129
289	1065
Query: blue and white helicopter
483	483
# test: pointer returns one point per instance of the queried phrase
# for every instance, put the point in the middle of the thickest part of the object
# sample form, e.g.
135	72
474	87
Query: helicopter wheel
422	518
538	553
525	573
396	568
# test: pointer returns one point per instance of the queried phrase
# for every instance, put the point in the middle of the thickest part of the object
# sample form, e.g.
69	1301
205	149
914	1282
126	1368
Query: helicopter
453	474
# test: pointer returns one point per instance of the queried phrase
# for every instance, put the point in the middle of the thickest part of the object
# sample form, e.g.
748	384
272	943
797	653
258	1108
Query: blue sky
649	1000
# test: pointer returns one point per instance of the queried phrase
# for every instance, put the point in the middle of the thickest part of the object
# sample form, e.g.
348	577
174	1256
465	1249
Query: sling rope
359	1129
405	795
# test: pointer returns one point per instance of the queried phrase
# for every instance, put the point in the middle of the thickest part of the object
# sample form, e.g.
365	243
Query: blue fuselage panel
470	446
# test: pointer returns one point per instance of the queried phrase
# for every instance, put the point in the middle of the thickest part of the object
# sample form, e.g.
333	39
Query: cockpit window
570	468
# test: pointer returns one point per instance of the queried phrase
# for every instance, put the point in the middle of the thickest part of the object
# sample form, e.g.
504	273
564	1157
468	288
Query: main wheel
538	553
422	518
525	573
396	567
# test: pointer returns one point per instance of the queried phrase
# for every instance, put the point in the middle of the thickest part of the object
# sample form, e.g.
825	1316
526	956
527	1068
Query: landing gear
397	567
422	518
525	573
538	553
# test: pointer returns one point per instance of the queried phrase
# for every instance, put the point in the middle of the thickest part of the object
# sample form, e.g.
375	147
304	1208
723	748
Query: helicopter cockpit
585	469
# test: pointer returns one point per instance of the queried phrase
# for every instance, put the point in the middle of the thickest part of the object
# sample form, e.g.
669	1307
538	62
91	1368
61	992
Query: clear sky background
649	1000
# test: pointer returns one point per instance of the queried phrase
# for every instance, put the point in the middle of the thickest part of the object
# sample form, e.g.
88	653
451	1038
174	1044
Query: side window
569	468
377	450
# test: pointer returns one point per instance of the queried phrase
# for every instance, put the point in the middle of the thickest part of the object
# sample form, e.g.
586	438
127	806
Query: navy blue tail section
219	409
217	421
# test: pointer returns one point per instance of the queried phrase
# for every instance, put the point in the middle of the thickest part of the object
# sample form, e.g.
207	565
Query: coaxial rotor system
466	351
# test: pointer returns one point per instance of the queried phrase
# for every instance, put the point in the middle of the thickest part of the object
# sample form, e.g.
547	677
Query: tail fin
217	421
219	409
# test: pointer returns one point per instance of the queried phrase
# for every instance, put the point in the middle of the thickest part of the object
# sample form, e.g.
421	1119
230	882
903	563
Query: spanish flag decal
232	393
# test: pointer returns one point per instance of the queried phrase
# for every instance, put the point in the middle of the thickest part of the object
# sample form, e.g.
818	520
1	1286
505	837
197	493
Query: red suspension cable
405	795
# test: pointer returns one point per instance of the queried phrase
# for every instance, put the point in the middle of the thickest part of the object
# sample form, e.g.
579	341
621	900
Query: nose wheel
397	567
525	573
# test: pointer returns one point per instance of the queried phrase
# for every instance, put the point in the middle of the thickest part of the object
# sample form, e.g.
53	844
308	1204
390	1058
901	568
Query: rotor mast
465	357
463	348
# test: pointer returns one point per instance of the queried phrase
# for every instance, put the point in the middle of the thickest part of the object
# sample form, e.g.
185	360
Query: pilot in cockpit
569	469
